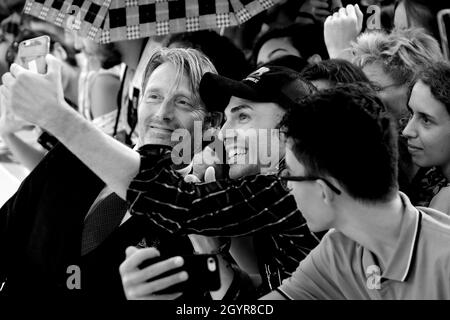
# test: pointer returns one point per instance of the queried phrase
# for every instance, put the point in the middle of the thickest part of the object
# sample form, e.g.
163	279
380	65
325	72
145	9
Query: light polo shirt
340	268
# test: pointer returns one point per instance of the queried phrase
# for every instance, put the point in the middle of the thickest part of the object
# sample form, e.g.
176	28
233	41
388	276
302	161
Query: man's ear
328	195
315	58
59	52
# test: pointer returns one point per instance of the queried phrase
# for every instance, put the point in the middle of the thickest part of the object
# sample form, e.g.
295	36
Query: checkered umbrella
114	20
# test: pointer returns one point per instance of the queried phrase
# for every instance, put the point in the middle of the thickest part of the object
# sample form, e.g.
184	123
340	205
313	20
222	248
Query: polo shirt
340	268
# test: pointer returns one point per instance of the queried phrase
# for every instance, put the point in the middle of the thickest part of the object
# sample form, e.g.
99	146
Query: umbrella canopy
114	20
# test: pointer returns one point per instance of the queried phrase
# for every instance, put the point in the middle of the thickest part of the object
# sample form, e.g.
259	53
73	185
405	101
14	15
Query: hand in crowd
319	9
136	282
341	29
35	97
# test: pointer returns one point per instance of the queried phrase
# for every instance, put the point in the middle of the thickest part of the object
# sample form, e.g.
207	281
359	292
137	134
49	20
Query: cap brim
216	91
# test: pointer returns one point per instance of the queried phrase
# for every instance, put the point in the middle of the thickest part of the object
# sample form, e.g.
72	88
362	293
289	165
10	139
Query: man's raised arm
39	98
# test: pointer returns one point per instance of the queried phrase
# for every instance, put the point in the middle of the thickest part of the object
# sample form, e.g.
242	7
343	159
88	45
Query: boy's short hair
345	133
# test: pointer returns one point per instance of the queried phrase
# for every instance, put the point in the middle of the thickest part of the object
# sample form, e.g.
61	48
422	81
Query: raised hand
36	98
341	29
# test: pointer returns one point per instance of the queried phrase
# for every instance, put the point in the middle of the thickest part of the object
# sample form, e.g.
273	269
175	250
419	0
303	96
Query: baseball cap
269	83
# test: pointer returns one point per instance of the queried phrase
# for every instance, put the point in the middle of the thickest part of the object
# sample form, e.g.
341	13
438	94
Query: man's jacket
40	226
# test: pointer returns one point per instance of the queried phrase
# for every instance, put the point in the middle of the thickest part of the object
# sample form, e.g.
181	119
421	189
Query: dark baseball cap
268	83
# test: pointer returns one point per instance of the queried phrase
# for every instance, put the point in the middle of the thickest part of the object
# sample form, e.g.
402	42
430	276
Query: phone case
202	269
32	53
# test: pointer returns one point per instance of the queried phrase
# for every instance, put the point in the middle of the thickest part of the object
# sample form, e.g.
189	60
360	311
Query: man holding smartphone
279	227
168	103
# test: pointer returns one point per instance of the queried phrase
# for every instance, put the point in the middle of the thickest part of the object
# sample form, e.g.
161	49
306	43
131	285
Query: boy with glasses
341	168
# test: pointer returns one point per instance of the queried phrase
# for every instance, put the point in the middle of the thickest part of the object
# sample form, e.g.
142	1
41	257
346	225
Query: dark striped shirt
255	205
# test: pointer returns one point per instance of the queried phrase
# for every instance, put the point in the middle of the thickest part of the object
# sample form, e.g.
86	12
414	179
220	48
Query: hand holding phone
202	270
146	275
32	54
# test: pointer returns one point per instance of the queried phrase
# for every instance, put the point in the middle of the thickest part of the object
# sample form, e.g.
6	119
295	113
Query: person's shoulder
102	78
441	200
104	86
435	221
434	239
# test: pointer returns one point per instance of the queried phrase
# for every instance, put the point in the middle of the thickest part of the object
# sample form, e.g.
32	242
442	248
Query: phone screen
32	53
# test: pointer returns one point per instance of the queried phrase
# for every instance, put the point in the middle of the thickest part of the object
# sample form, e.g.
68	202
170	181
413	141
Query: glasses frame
311	178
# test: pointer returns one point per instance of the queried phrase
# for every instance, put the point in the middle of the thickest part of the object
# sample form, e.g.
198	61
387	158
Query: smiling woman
428	129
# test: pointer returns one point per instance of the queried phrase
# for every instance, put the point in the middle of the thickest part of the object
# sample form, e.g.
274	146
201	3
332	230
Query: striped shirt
255	205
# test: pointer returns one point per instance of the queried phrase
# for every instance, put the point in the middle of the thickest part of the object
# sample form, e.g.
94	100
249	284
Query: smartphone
202	269
32	52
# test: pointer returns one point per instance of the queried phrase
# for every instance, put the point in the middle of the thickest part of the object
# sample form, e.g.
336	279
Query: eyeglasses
284	175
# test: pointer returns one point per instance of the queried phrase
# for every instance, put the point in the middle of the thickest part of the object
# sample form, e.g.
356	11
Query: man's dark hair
345	133
335	71
437	77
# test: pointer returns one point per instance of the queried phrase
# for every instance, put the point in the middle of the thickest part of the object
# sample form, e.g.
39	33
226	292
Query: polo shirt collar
399	265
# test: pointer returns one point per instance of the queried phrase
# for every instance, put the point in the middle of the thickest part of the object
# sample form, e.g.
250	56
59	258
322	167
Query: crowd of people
308	150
